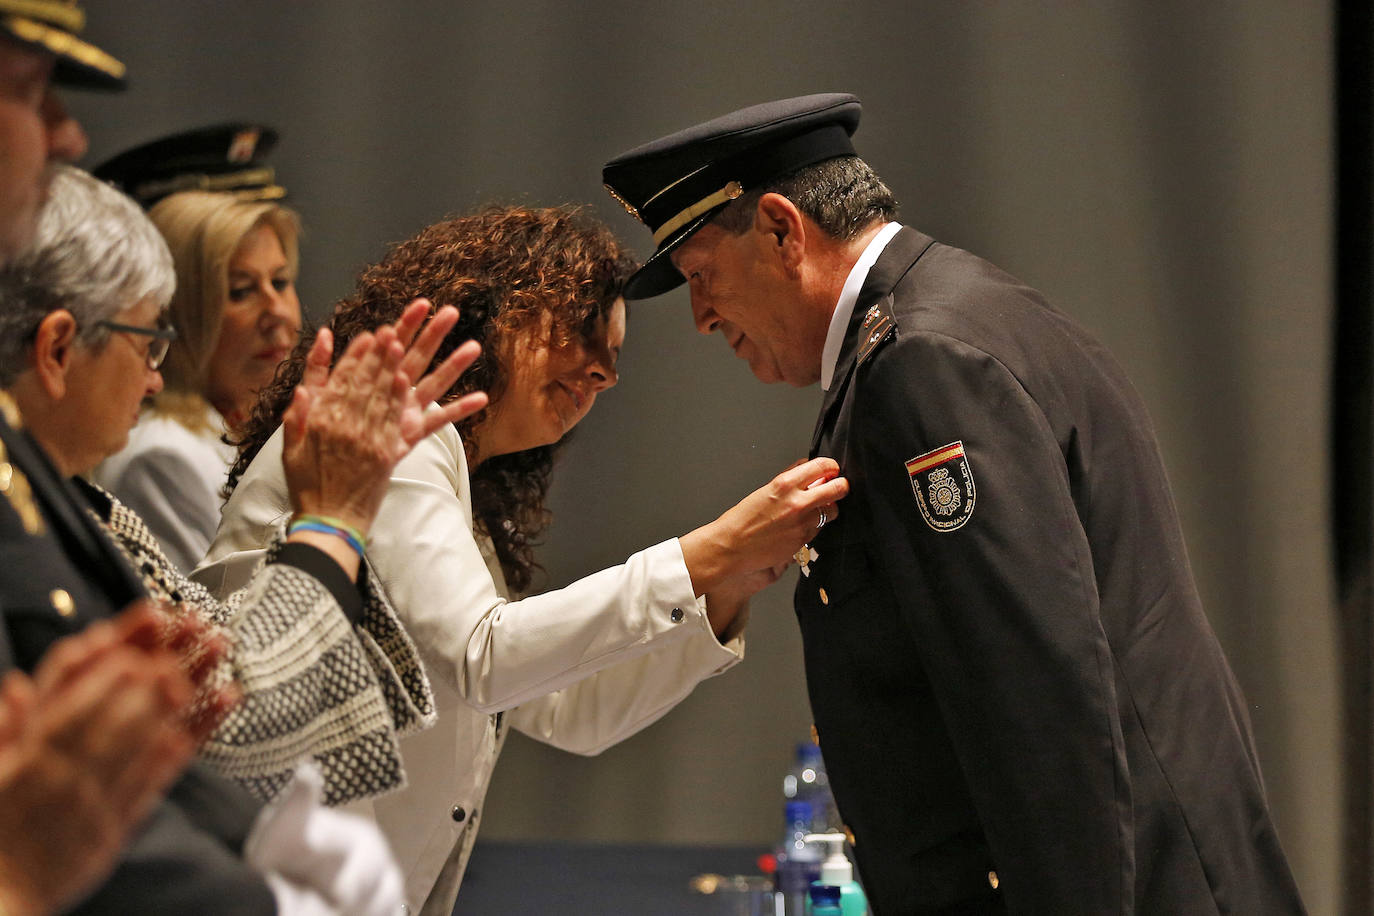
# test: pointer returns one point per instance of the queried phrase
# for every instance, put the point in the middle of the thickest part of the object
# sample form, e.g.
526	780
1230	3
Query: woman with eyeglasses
324	666
235	313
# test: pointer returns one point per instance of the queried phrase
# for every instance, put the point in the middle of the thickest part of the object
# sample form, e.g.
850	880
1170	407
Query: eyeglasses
162	337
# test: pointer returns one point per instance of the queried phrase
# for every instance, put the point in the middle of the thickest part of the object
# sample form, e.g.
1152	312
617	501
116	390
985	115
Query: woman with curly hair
581	667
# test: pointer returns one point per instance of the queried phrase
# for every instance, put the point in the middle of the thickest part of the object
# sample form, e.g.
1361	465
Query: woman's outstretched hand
753	541
346	429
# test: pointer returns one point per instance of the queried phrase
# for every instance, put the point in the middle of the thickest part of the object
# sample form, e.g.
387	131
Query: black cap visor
658	275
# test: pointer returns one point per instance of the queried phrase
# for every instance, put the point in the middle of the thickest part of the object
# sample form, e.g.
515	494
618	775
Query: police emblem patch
943	484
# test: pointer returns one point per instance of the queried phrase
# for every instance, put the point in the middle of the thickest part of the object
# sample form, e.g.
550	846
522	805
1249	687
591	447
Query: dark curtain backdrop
1161	170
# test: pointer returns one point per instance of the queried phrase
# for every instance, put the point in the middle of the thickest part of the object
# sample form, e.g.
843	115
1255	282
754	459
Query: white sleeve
320	861
608	707
499	654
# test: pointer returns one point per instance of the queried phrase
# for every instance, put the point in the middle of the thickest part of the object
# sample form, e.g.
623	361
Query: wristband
324	524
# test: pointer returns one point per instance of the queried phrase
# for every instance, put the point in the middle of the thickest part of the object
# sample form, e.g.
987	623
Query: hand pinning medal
806	553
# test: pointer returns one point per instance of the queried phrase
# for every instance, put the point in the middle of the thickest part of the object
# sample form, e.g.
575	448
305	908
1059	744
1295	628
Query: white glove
320	861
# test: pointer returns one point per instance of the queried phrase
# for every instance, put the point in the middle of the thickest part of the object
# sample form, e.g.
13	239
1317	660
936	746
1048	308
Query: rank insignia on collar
14	487
10	411
942	482
878	325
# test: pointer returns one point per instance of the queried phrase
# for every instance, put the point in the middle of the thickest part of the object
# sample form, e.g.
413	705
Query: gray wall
1160	170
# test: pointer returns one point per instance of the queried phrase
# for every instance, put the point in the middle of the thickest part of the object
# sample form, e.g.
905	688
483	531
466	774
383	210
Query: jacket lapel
897	258
88	548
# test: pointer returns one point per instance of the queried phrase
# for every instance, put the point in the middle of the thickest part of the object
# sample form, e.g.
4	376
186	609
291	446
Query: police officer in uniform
1021	703
59	572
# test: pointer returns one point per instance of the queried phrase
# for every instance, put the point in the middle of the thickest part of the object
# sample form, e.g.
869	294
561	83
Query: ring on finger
821	524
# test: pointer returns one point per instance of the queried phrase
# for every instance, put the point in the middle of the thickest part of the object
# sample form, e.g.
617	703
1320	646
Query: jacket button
992	880
459	814
62	602
825	599
676	615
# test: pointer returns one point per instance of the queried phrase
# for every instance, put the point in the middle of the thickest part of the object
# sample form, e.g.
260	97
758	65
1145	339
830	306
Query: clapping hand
346	429
90	742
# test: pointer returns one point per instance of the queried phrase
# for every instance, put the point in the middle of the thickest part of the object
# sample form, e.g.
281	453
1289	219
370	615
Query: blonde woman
237	317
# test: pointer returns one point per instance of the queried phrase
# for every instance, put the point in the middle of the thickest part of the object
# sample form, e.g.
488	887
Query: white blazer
171	476
579	668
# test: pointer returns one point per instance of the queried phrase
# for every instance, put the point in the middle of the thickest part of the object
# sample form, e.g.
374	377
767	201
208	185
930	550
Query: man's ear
779	218
54	346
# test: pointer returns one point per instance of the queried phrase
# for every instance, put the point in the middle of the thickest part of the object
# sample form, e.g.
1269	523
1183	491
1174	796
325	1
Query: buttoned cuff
687	608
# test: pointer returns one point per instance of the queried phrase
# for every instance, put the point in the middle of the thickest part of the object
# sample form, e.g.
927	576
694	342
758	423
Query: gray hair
844	196
95	253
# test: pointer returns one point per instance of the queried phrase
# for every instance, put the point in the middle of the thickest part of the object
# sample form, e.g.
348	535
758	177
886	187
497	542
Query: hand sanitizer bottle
836	871
825	900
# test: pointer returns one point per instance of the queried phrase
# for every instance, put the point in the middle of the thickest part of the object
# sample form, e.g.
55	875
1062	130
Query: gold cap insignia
629	207
244	145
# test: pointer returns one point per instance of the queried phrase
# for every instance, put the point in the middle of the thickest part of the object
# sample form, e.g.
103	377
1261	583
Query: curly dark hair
506	269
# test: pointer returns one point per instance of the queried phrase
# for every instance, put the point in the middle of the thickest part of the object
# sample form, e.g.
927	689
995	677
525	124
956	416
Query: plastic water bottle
807	781
799	862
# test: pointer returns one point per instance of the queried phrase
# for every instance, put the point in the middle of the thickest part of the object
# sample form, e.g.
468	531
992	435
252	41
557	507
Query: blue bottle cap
797	811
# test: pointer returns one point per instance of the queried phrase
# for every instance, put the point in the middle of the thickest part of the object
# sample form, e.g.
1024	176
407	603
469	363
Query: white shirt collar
839	321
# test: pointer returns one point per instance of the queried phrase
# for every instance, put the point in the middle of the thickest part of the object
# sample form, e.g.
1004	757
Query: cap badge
629	207
244	145
942	482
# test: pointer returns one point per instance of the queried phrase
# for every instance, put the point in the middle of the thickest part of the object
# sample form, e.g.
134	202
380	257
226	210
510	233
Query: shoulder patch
878	325
942	482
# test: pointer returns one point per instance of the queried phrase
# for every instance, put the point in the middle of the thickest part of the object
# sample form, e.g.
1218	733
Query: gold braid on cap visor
67	15
706	204
247	184
61	43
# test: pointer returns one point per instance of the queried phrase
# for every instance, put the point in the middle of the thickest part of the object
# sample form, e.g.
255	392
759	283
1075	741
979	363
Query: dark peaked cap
675	184
223	157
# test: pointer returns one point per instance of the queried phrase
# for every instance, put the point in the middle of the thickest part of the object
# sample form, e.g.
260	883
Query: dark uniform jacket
59	573
1021	704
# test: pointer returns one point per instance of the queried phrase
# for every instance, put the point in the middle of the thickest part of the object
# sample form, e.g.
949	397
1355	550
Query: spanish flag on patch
942	482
